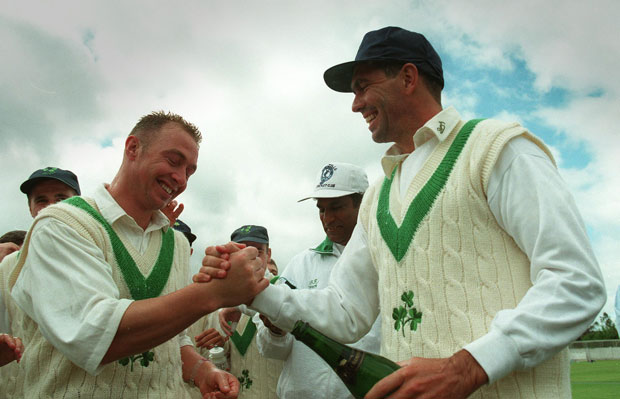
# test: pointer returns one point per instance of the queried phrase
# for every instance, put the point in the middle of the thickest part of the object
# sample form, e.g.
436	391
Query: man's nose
358	103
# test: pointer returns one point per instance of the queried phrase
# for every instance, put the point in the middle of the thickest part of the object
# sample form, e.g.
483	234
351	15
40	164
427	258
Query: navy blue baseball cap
65	176
250	233
187	232
388	44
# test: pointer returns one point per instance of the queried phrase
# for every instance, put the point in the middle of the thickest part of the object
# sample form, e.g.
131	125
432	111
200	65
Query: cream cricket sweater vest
460	268
46	373
248	365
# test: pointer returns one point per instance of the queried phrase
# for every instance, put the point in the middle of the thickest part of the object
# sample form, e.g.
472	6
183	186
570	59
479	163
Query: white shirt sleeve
66	286
270	345
533	205
345	310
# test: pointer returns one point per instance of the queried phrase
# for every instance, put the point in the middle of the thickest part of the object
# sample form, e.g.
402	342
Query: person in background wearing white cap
338	193
472	223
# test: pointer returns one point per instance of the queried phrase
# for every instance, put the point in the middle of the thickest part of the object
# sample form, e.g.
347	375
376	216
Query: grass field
599	380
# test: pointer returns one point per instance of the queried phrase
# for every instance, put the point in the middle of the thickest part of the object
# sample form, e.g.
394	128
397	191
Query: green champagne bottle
359	370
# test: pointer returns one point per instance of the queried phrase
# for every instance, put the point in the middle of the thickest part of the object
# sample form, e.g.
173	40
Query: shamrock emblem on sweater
144	358
244	380
407	314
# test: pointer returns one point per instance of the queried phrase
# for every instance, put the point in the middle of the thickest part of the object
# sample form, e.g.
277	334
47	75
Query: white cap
337	180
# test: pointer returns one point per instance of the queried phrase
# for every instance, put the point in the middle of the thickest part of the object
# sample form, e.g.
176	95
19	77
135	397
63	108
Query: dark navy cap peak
65	176
250	233
388	44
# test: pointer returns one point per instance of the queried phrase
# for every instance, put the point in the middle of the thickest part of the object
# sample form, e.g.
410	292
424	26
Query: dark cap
65	176
388	44
183	228
250	233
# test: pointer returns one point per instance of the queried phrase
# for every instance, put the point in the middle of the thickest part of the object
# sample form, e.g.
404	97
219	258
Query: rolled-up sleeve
67	288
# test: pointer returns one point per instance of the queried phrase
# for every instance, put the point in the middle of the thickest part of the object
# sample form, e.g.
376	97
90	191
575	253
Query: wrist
467	365
277	332
192	377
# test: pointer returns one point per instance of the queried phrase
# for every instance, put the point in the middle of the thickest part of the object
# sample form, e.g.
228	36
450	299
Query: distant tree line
603	328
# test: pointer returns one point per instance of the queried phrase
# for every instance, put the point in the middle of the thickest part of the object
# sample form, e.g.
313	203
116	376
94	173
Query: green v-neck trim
243	341
326	247
397	238
139	287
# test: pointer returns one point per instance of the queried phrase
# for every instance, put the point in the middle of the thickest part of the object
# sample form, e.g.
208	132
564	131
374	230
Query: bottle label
348	367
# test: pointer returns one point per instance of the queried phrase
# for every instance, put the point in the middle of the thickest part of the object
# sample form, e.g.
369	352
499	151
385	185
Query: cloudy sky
75	77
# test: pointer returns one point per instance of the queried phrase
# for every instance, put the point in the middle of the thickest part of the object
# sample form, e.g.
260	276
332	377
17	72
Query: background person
338	193
42	188
272	266
258	374
11	242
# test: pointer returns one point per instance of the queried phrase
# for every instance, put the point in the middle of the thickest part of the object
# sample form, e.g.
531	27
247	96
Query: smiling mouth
370	118
166	188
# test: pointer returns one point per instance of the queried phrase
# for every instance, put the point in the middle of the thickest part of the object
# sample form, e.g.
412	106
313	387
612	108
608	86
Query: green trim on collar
139	287
326	247
243	341
397	238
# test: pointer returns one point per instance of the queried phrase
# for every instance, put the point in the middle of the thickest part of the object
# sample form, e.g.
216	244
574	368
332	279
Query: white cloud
250	76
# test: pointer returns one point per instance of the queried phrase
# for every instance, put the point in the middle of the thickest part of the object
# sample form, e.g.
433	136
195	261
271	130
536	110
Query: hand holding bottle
455	377
359	370
272	328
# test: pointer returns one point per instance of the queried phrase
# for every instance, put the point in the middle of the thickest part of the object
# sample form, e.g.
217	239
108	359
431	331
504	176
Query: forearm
345	310
192	362
151	322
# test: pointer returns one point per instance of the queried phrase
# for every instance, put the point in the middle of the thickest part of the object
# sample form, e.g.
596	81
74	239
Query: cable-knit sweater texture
45	373
461	265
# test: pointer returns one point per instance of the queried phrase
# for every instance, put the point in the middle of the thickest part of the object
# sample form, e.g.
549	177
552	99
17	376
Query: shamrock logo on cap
49	171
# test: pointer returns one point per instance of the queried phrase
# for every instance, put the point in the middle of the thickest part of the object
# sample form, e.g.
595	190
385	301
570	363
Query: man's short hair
15	236
150	124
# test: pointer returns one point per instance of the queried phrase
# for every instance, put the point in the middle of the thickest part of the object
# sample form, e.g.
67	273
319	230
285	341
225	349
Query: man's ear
132	147
410	77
